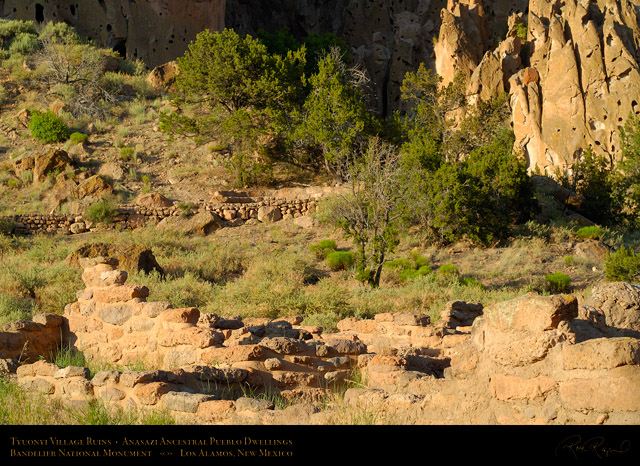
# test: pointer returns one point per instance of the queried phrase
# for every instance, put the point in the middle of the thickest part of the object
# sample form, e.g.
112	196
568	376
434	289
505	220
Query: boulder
131	258
95	187
619	302
269	214
202	223
153	201
53	161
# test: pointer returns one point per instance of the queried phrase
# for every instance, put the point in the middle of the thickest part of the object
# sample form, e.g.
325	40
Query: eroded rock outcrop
573	81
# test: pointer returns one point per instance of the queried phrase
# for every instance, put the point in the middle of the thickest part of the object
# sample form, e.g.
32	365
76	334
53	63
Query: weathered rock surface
132	258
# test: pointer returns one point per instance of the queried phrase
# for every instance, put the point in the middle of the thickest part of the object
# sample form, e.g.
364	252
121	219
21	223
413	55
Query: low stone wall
132	216
531	360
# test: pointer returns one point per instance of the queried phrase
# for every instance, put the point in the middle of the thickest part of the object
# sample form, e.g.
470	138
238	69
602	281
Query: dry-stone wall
530	360
227	209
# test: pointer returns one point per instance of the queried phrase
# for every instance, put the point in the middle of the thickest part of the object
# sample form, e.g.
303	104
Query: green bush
48	127
622	265
470	281
127	153
323	248
410	274
448	271
101	212
339	260
78	138
558	282
401	263
591	232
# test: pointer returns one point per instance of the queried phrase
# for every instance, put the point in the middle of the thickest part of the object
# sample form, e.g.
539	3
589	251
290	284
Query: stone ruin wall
531	360
227	211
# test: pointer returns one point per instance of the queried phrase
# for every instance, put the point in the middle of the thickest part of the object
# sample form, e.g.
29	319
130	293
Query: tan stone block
506	387
38	368
602	353
531	313
232	354
194	336
607	393
151	393
287	379
188	315
381	360
120	294
216	410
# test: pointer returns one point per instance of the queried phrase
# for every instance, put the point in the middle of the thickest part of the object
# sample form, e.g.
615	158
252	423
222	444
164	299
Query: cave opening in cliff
39	13
121	47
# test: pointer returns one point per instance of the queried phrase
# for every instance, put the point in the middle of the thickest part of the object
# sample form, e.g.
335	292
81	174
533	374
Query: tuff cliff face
155	31
573	81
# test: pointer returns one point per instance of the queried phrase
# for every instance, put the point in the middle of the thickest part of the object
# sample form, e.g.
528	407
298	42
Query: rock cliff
571	69
154	31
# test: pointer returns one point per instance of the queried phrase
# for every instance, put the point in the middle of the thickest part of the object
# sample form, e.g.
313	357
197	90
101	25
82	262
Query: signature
575	446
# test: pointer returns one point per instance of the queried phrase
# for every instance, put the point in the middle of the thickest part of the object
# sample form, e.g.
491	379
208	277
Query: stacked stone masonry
131	216
531	360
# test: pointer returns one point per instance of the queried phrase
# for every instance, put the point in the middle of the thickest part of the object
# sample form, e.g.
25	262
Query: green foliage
24	43
629	186
595	178
521	30
78	138
60	33
48	127
127	153
622	265
335	117
16	36
339	260
101	212
7	226
375	208
558	282
233	89
447	272
323	248
590	232
410	274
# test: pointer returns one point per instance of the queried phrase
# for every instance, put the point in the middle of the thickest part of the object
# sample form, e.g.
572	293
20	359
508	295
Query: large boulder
54	161
131	258
202	223
153	201
619	306
95	187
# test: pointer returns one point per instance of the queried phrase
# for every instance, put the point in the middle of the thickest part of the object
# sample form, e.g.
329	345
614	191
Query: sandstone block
344	346
108	377
505	387
151	393
603	393
232	354
284	345
531	313
184	402
188	315
216	410
123	293
195	336
252	404
111	394
602	353
115	315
